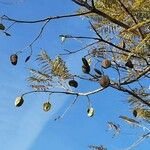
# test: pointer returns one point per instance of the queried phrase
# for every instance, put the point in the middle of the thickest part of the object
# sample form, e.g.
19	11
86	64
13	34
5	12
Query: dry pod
19	101
27	59
97	73
14	59
46	106
104	81
106	63
134	113
73	83
90	112
86	69
129	64
7	34
2	27
85	62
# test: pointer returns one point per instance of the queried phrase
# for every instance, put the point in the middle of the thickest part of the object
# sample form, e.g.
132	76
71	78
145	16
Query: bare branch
96	31
66	92
67	109
4	17
138	141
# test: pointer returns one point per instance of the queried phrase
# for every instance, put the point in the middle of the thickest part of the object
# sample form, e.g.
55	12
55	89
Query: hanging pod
104	81
47	106
86	66
97	73
14	59
19	101
106	63
134	113
86	69
2	27
90	112
73	83
129	64
85	62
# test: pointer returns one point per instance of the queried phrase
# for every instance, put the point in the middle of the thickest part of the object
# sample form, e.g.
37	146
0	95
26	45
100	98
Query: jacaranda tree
117	57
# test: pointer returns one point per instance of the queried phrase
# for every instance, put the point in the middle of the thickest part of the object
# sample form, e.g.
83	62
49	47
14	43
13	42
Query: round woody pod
14	59
46	106
106	63
86	69
73	83
19	101
104	81
90	112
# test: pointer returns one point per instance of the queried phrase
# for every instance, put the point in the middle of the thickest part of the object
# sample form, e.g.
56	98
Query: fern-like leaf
50	73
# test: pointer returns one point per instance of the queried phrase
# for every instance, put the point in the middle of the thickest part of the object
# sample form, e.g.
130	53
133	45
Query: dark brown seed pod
47	106
106	63
7	34
129	64
27	59
73	83
2	27
19	101
134	113
97	73
14	59
86	69
85	62
104	81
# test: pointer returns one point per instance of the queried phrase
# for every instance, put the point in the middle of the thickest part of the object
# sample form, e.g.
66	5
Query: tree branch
144	72
4	17
130	14
65	92
100	13
121	88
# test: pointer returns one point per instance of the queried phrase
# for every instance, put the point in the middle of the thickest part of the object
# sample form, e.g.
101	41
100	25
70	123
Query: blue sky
29	128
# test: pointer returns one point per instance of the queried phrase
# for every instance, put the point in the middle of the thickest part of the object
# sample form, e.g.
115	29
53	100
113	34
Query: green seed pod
19	101
86	69
73	83
106	63
47	106
104	81
90	112
14	59
2	27
129	64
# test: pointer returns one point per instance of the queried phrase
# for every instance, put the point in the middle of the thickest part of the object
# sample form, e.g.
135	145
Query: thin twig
67	109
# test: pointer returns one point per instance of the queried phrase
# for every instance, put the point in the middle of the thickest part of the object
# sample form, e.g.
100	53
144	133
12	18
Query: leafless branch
138	141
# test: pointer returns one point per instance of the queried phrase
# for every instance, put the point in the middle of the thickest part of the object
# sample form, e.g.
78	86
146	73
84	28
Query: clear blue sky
29	128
